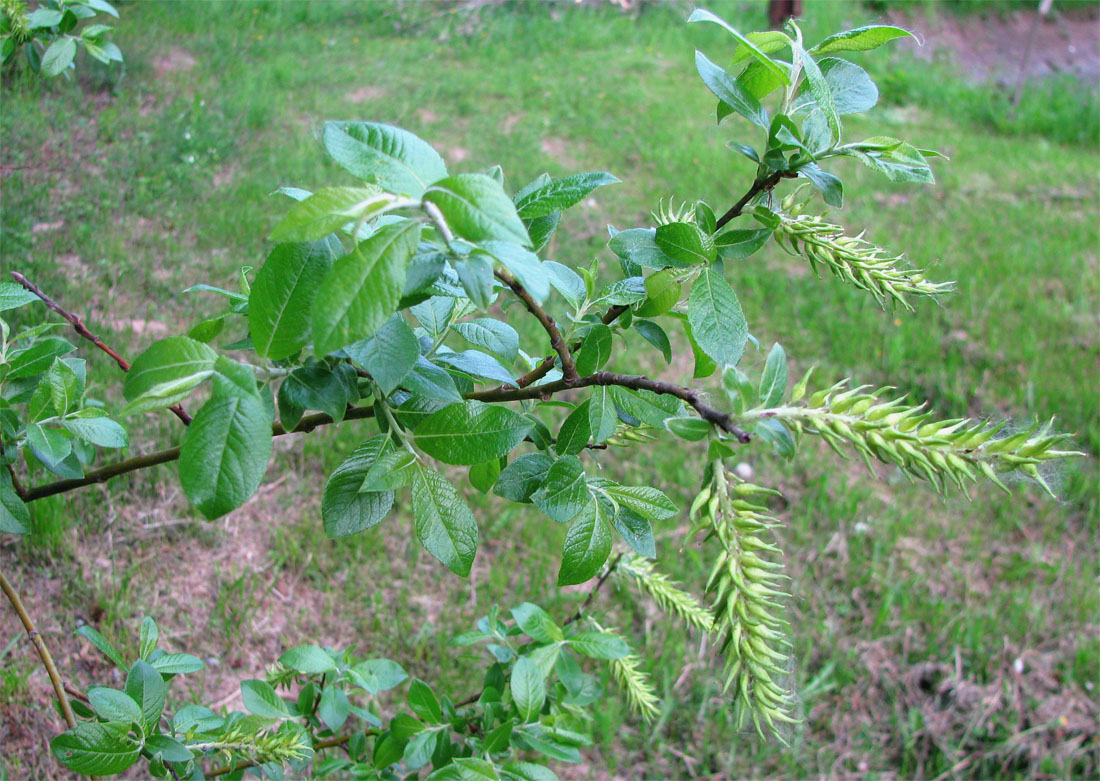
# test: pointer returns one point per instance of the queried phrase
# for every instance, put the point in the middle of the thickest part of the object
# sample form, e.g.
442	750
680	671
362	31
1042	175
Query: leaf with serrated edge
444	524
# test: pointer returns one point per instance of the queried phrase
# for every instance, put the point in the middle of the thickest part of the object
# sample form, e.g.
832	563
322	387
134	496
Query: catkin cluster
745	586
942	452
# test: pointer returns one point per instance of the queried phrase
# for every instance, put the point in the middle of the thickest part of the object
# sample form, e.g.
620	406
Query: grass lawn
932	636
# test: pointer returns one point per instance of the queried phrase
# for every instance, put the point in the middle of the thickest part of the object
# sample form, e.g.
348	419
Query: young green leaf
528	688
328	210
820	89
394	159
737	244
444	524
389	355
13	296
361	290
564	491
93	425
521	478
662	293
476	208
595	350
308	659
423	702
861	39
471	432
537	623
224	453
334	708
655	335
524	265
685	242
97	748
344	509
166	373
146	687
260	698
602	417
717	323
600	645
747	44
280	302
113	705
498	338
731	91
560	194
15	518
773	382
587	545
644	500
575	431
378	675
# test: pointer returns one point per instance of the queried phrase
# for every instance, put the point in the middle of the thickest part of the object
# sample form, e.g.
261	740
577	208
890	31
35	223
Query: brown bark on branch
82	331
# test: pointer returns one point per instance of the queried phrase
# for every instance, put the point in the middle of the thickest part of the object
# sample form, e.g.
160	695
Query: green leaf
691	429
639	245
564	491
484	476
637	532
541	230
896	160
602	417
471	432
13	296
773	382
537	623
313	386
476	208
168	749
560	194
334	707
113	705
774	432
166	373
496	337
378	675
767	42
737	244
820	89
685	242
587	545
147	637
146	687
280	302
648	407
521	478
42	17
528	688
58	56
575	431
747	45
476	276
717	323
852	89
644	500
430	381
361	290
444	524
423	702
524	265
38	357
567	282
595	350
832	189
93	425
344	510
100	642
730	91
528	771
655	335
51	446
328	210
861	39
600	645
97	748
390	157
259	697
663	291
177	664
224	453
308	659
392	470
15	518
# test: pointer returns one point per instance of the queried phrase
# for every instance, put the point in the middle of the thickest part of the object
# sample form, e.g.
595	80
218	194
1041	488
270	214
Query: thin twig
20	491
82	330
43	652
595	590
758	186
310	422
557	342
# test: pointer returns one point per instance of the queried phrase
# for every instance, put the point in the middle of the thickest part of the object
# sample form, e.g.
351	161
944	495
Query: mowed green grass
160	179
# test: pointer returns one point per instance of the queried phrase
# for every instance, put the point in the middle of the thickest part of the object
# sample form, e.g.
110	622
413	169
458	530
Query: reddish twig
557	342
82	330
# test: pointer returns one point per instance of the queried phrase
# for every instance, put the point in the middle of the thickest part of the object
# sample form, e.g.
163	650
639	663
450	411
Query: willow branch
103	474
544	367
82	330
758	186
557	342
40	646
310	422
